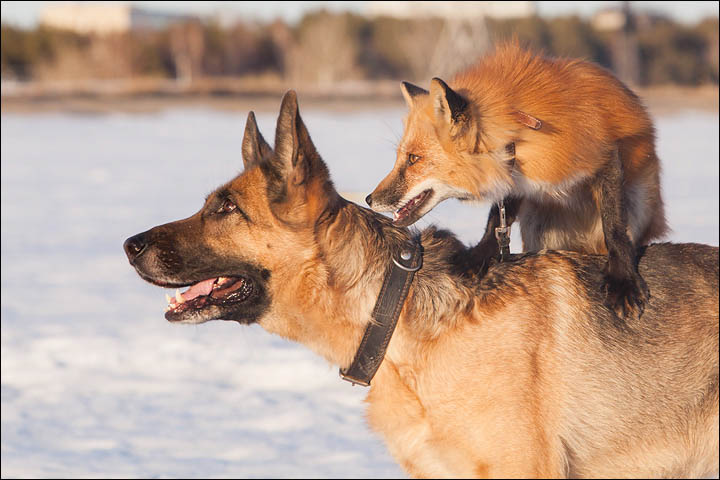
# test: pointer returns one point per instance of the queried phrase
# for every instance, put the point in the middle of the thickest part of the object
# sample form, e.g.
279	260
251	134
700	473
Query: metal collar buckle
407	255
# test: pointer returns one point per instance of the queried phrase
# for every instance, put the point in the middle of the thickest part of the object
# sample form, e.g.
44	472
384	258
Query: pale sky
26	13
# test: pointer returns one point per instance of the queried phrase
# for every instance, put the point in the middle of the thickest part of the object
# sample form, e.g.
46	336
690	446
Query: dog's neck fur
355	249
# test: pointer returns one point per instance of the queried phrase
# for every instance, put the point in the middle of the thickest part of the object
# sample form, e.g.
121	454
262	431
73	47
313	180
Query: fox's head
441	155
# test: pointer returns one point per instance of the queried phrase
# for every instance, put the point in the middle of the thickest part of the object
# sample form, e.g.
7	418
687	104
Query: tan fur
586	114
498	380
521	373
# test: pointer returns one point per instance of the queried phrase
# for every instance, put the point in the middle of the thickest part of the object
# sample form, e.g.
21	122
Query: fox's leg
487	248
626	291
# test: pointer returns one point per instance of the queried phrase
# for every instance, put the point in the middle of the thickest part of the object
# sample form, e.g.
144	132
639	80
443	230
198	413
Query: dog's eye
227	207
412	158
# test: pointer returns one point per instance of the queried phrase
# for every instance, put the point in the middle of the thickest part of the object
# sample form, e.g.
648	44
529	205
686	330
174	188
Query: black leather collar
385	315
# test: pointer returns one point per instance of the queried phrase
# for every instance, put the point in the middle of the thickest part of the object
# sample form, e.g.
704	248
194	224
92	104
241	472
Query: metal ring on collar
407	269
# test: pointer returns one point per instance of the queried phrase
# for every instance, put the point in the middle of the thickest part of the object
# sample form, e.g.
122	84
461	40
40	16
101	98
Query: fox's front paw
626	295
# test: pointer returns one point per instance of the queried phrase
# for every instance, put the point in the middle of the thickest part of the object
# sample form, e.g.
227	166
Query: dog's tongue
201	288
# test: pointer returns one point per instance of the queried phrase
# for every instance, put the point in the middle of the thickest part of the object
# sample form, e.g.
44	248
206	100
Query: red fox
569	148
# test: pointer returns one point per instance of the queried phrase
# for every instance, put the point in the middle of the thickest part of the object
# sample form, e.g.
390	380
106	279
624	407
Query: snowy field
96	383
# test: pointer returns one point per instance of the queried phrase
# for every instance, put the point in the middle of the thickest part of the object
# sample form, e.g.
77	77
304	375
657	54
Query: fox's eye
412	158
226	207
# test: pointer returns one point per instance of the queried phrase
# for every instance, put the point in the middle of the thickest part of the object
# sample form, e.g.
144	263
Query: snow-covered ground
96	383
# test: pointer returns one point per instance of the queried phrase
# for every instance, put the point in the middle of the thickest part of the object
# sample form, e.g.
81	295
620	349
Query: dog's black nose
134	246
368	200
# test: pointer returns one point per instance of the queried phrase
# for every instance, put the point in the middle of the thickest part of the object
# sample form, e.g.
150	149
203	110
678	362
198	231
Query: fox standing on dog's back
569	147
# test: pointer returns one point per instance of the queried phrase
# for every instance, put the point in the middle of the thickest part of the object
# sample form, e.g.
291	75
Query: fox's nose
134	246
368	200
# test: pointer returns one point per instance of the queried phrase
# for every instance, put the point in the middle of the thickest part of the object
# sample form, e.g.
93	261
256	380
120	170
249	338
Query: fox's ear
295	155
254	146
453	115
449	106
411	91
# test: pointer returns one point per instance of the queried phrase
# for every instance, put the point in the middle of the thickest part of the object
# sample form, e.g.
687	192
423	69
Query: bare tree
326	51
461	42
187	44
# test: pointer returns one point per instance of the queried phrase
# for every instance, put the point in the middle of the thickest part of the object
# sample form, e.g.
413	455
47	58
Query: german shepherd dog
523	372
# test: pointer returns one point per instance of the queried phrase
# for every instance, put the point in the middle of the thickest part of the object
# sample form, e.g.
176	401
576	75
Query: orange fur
586	115
583	108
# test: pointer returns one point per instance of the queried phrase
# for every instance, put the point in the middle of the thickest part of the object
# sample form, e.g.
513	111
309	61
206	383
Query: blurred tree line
330	47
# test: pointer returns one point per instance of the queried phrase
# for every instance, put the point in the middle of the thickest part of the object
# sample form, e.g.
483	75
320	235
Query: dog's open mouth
406	215
213	292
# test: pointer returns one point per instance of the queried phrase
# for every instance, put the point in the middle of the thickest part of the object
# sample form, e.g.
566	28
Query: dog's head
252	234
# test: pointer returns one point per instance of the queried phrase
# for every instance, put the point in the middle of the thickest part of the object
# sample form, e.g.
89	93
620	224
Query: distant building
104	18
452	9
609	20
621	25
616	19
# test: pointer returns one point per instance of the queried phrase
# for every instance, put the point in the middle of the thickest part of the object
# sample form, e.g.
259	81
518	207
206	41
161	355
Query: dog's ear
254	146
298	179
411	91
295	155
453	114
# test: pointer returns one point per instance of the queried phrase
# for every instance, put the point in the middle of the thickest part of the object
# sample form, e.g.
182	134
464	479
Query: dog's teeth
396	215
167	297
167	309
178	296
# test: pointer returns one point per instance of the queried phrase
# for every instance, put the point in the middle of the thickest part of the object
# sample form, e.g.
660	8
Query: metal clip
502	233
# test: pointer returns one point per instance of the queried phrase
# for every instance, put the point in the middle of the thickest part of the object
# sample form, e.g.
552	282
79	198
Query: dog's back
650	385
639	397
